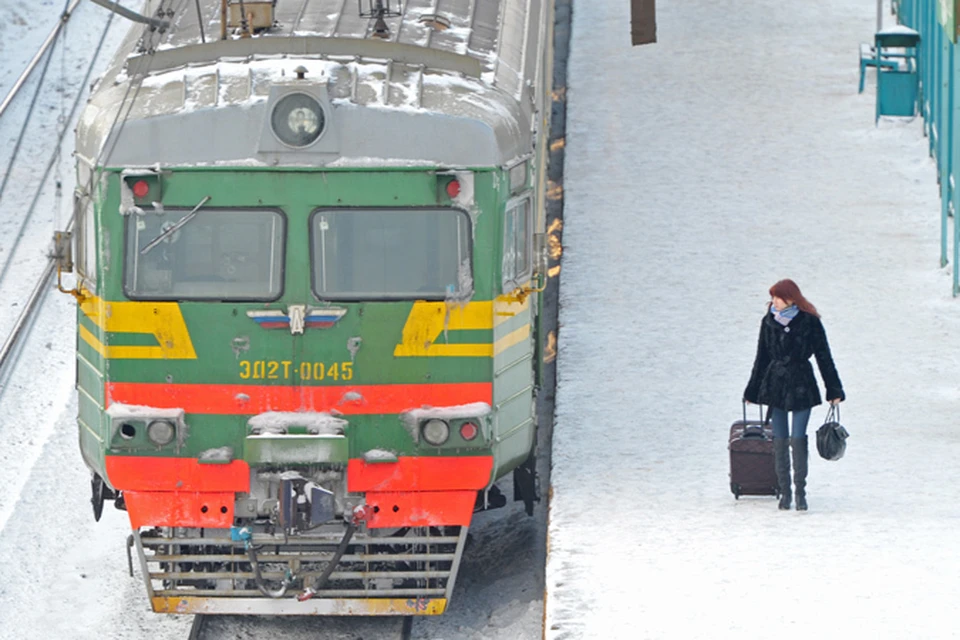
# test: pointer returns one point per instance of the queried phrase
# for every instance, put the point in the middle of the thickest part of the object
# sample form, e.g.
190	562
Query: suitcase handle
753	433
760	409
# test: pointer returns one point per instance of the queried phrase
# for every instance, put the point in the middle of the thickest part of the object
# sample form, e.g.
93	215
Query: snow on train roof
482	70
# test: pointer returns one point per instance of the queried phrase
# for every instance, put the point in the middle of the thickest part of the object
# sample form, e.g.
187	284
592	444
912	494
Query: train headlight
436	432
161	432
297	120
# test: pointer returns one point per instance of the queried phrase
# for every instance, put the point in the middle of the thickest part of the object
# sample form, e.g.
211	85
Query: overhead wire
33	104
64	18
61	125
57	153
38	294
113	134
203	38
136	78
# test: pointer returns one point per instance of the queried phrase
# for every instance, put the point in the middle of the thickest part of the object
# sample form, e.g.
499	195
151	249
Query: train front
291	316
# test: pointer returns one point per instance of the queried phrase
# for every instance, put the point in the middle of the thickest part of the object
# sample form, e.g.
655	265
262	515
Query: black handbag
832	436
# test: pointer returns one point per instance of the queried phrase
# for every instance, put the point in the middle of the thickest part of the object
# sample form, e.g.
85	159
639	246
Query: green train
308	247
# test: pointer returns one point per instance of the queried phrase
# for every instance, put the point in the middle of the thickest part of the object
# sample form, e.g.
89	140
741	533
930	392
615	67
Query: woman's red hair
788	291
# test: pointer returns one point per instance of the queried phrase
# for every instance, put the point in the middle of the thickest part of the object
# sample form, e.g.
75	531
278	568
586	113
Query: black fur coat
782	375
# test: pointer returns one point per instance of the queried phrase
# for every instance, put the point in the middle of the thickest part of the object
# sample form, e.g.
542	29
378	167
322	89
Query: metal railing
938	98
421	564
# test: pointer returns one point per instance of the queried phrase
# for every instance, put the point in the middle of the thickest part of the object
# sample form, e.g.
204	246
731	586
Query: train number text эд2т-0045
288	370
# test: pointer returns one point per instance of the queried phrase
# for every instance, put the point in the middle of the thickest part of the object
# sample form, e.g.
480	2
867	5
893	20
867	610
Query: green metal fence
936	21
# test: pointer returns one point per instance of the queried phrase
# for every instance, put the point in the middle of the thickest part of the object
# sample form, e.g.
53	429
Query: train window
219	254
86	239
393	254
517	248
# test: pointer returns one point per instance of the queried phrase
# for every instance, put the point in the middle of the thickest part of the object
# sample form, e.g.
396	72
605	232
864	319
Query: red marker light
468	431
453	188
141	188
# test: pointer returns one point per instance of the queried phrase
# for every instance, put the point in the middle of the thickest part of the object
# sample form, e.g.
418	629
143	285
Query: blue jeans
779	419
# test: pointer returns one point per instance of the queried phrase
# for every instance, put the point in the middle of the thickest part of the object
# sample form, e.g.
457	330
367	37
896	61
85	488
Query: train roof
458	90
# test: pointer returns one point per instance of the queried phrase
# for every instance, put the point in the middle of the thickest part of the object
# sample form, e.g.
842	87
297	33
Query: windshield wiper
169	232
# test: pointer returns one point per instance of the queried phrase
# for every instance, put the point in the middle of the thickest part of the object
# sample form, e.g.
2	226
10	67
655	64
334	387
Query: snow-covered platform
699	171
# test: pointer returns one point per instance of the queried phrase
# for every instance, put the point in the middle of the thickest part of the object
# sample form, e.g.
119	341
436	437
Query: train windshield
391	254
217	254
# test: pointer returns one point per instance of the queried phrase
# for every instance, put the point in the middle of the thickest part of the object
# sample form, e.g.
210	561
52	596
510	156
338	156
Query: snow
699	171
352	397
380	455
278	422
898	29
32	400
376	162
66	574
120	411
218	454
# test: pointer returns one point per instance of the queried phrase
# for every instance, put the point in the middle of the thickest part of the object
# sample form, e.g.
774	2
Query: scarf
784	317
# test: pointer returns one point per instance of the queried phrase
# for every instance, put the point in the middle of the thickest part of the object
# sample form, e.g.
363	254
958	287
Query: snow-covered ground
66	576
699	171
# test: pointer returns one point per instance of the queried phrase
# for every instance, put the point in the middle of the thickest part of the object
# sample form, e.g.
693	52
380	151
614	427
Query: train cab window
86	241
516	266
218	254
390	254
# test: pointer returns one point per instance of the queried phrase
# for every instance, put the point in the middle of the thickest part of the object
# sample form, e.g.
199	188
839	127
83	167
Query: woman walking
783	378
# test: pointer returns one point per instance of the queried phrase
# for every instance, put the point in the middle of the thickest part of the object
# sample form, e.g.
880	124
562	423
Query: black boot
800	471
781	463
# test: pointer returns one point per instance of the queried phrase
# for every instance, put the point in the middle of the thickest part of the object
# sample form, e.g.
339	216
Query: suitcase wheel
736	490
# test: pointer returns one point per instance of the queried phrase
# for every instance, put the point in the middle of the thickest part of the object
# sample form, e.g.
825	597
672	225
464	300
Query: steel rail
27	313
196	629
201	625
64	17
42	286
56	154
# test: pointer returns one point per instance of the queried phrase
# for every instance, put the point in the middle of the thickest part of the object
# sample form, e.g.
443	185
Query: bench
868	58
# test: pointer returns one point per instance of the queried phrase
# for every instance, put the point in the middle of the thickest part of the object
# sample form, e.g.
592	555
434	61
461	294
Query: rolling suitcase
751	457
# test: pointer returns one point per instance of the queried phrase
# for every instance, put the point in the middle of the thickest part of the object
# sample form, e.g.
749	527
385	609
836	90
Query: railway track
28	311
213	627
207	627
10	348
35	327
223	627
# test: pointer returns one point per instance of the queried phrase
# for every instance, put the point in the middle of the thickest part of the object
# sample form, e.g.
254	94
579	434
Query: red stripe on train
409	473
177	492
149	473
239	399
179	509
420	491
421	509
414	491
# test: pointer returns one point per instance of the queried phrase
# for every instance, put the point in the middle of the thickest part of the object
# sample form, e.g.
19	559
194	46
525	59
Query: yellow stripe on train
290	606
424	325
163	320
513	338
428	320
